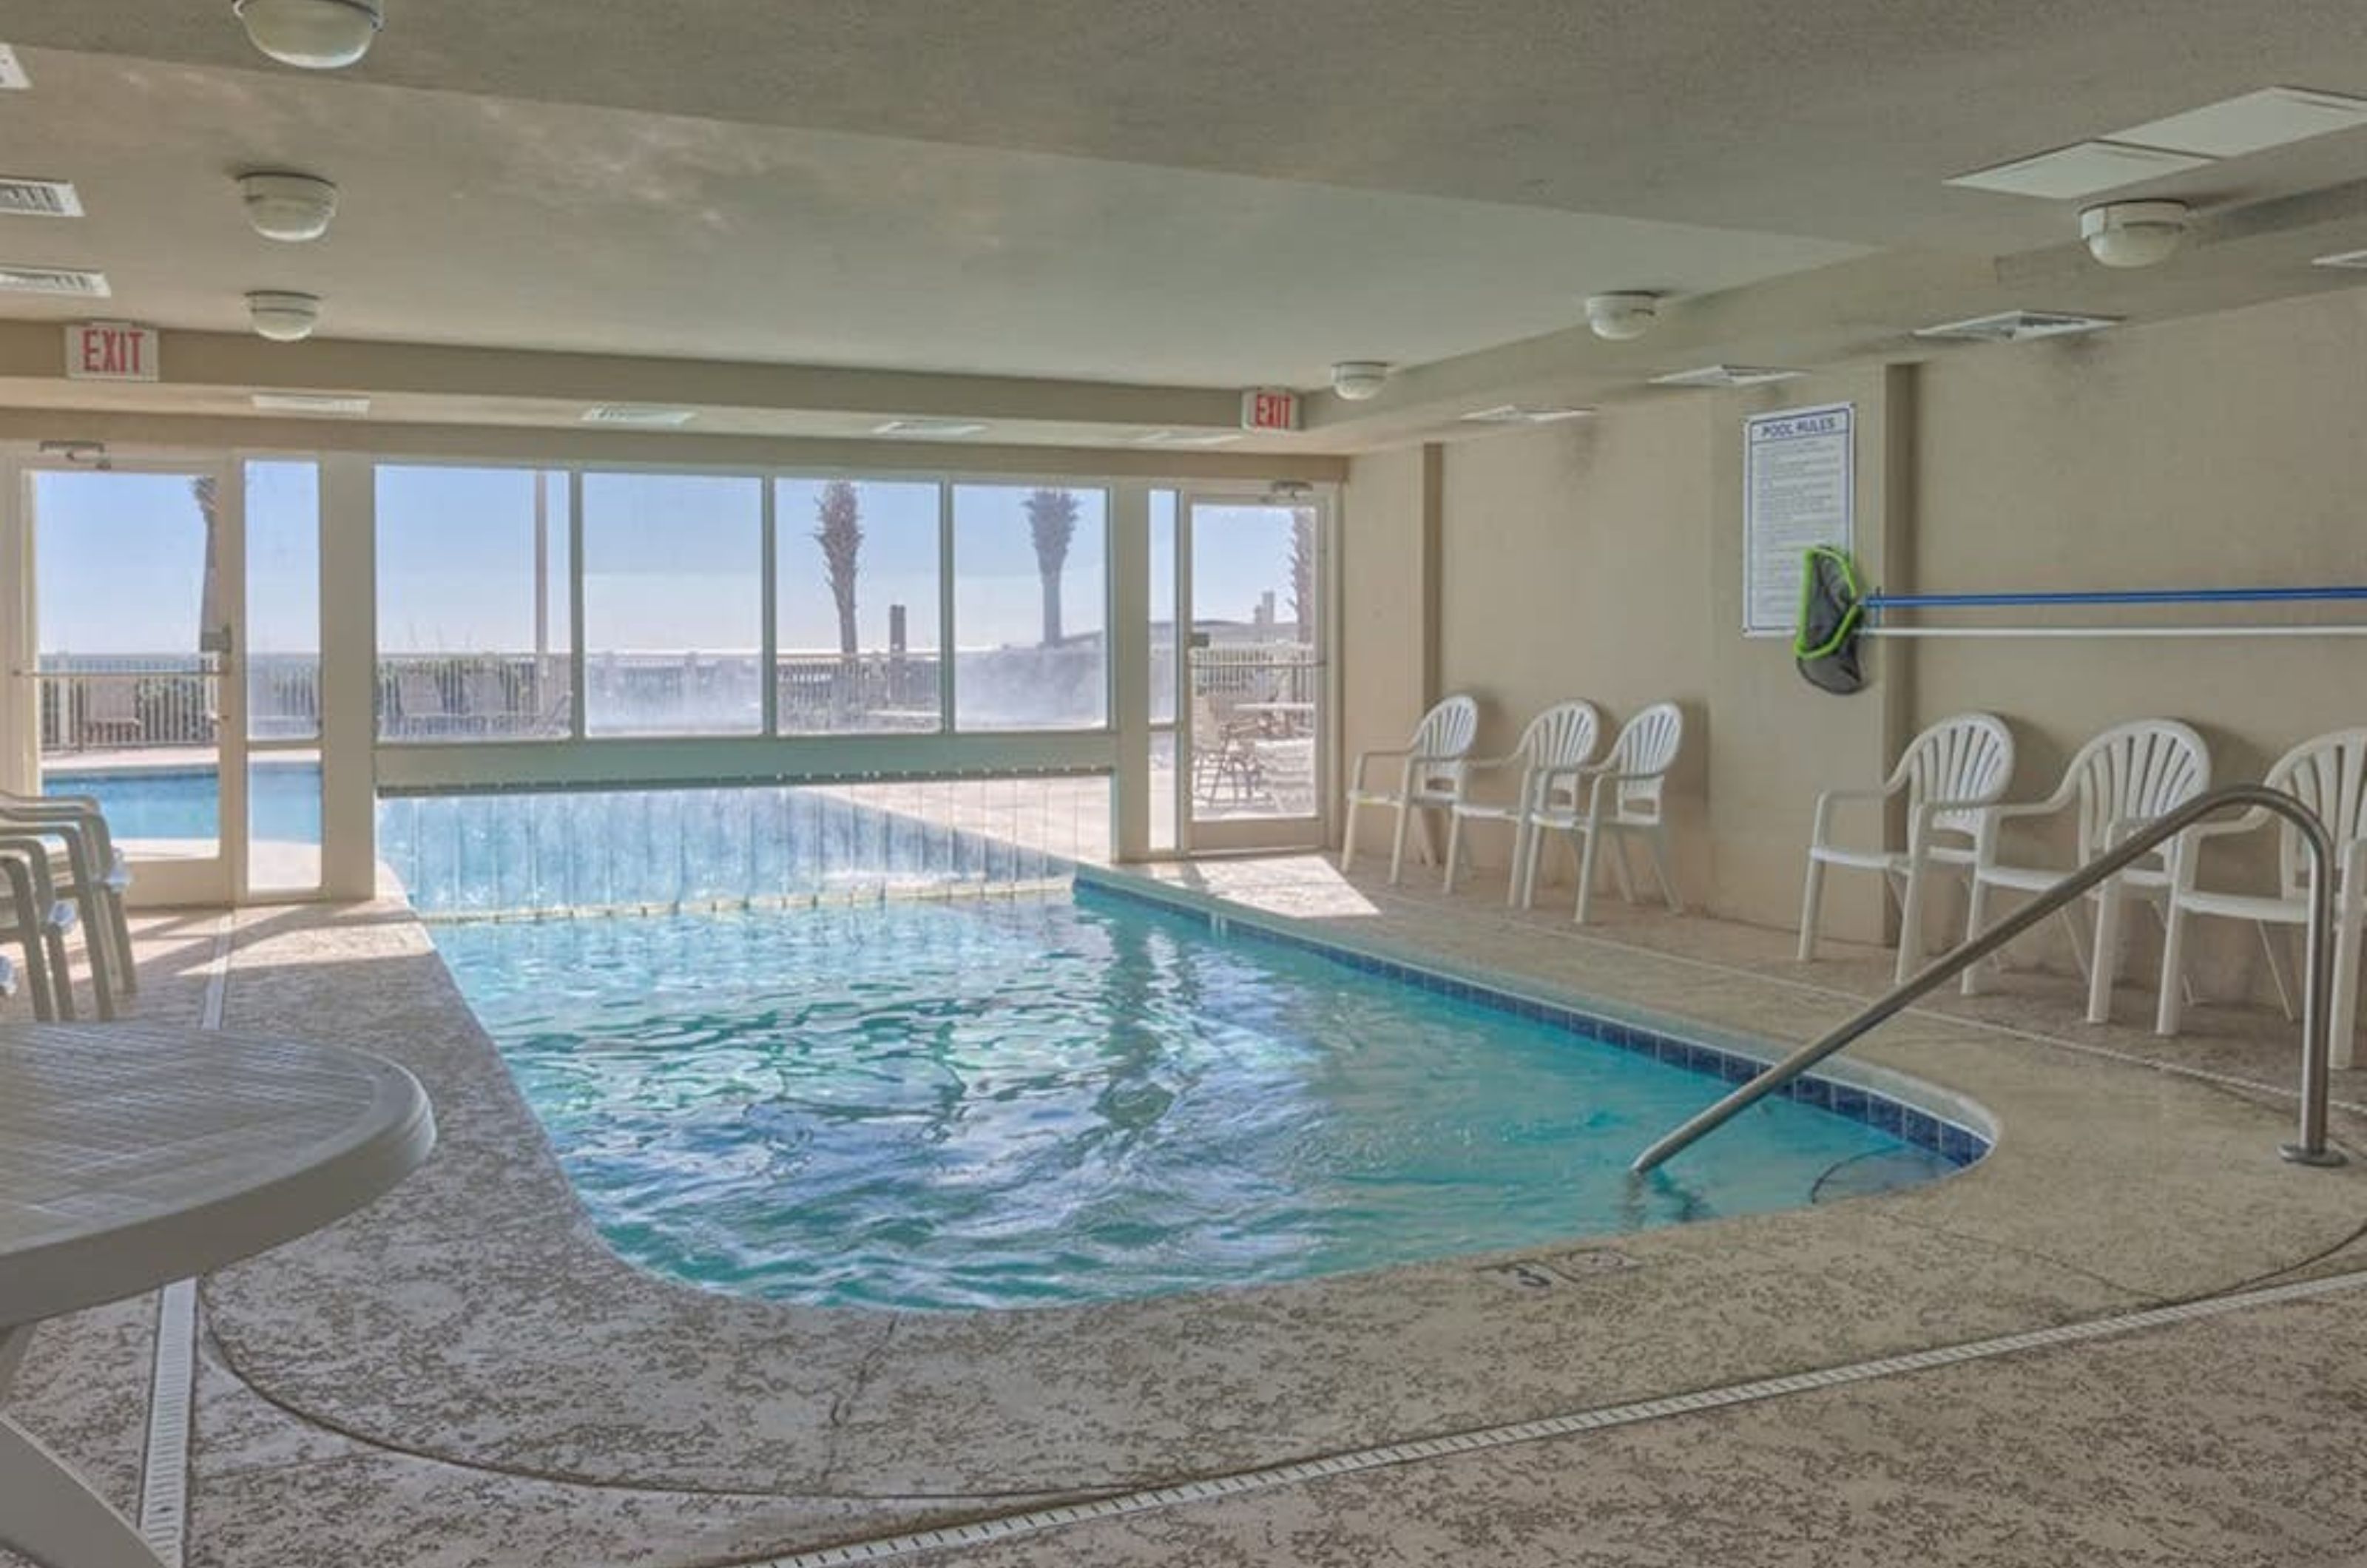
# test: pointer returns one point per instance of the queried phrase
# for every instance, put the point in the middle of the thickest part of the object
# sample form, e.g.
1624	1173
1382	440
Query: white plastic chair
2122	779
90	873
36	921
2327	774
1968	758
1619	797
1429	780
1557	743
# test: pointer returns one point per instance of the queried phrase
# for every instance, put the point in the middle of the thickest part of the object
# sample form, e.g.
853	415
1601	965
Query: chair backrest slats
1968	756
1647	747
1564	736
2327	773
2134	773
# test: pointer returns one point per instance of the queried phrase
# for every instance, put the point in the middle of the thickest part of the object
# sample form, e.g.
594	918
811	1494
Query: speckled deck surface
465	1374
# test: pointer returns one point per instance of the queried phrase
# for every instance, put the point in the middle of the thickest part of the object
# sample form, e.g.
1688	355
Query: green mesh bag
1831	608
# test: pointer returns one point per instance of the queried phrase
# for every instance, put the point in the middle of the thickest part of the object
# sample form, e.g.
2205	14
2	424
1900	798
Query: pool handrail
2311	1147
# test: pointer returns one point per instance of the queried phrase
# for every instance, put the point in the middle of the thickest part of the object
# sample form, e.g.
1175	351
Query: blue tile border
1958	1144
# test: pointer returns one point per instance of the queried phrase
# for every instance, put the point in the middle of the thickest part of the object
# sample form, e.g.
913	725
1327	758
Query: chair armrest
1356	776
1828	799
77	842
34	865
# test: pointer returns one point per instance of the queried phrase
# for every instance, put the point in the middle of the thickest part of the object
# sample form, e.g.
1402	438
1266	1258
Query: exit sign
111	350
1270	408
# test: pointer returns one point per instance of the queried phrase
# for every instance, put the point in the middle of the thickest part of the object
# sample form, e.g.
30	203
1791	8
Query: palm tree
1302	571
839	532
1052	523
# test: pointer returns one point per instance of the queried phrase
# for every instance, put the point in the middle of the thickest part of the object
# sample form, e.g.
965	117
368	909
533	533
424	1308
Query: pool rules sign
1799	473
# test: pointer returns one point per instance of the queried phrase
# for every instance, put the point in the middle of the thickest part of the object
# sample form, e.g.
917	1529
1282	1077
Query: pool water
283	802
1009	1101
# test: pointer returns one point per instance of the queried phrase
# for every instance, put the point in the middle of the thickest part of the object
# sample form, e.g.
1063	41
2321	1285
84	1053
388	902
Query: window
856	581
673	605
1031	585
474	636
283	676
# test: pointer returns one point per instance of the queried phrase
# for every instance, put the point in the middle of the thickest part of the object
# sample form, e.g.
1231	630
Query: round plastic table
134	1154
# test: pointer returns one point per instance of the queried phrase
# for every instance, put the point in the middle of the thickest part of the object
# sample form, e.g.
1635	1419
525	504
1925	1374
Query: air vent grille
2017	326
53	280
38	199
638	415
12	72
2356	259
1728	375
311	404
1524	413
1187	438
939	427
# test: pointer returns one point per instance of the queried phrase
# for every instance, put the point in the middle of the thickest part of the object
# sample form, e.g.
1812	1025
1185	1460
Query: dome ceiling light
283	316
1358	379
290	208
2133	233
318	35
1623	316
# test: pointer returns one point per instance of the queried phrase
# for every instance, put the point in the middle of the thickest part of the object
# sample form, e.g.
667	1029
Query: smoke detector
291	208
1620	317
1357	379
283	316
2133	233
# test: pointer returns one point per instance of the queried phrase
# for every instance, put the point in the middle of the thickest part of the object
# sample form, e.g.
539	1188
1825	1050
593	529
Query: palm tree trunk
1051	608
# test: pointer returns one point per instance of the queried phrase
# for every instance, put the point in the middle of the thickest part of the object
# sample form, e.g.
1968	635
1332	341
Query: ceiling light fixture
319	34
327	403
2133	233
1622	316
282	315
1358	379
292	208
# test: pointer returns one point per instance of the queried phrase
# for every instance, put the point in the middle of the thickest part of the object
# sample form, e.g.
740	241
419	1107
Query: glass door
1252	716
135	696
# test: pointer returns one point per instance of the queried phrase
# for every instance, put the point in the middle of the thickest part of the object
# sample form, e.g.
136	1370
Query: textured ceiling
1140	191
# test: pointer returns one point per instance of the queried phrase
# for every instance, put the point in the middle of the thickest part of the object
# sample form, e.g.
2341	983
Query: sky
673	561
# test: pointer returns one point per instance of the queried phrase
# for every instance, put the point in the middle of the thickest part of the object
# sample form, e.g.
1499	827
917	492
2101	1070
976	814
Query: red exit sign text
111	350
1270	408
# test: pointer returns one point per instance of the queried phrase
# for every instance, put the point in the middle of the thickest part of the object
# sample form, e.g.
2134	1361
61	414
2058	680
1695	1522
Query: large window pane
1030	574
474	638
283	601
673	604
856	599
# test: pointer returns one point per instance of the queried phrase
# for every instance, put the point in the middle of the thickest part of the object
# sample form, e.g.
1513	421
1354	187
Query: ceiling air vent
2017	326
37	198
12	72
53	280
1728	375
2356	259
924	427
1524	413
1187	438
638	416
311	404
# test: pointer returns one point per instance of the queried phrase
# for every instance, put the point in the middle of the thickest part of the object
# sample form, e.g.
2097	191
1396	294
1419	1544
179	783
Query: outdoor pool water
998	1102
283	802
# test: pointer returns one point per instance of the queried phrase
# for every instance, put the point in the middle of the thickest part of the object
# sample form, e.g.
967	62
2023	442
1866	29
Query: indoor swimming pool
1048	1099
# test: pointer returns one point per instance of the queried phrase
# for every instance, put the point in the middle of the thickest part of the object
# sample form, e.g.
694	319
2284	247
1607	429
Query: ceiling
1045	196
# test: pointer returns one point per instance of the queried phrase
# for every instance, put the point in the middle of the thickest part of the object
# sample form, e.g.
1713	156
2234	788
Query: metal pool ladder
2311	1148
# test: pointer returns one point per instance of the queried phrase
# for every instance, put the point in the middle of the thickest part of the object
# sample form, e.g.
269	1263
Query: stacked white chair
1620	798
1967	759
2328	775
37	920
1556	744
2123	779
88	873
1430	779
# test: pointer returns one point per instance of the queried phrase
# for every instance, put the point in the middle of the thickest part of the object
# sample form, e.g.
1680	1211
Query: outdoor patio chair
110	710
1221	755
1557	743
419	698
2122	779
1619	797
2327	774
36	921
86	872
1428	780
1967	758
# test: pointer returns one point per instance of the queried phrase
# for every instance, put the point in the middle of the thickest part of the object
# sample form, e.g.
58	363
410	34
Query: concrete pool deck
465	1374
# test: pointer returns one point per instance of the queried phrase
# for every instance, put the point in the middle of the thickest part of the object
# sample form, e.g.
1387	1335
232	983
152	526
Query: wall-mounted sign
111	350
1799	474
1270	408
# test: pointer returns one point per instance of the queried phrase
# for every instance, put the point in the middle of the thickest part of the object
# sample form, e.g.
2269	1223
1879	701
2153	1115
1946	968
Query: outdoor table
134	1154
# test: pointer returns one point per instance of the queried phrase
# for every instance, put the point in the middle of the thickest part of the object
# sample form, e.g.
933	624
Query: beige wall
1602	560
1386	511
